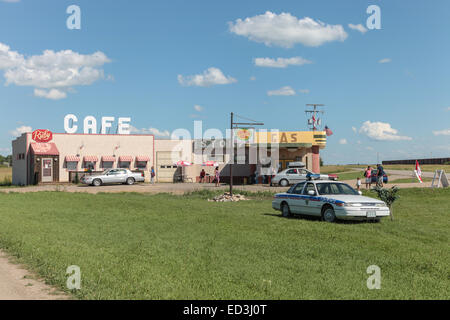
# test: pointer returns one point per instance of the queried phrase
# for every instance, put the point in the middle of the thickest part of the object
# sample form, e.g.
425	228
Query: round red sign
41	135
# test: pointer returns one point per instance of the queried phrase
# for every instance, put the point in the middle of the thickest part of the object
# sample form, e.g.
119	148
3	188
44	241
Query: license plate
371	214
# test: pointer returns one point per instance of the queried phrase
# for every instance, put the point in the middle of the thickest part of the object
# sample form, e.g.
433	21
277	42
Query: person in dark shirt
202	176
380	174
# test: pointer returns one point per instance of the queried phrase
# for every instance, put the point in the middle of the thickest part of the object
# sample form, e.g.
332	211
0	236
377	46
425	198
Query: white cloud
11	1
53	94
445	132
448	109
381	131
20	130
5	150
156	132
343	141
370	148
55	71
357	27
385	60
285	91
304	91
354	129
210	77
198	108
285	30
252	78
280	62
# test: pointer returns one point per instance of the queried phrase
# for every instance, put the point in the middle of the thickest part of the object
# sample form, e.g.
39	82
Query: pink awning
210	164
126	159
72	158
108	159
45	149
90	158
182	163
143	158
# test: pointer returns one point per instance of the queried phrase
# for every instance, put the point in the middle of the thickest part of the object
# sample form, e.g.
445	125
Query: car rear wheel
97	182
328	215
284	183
130	181
285	211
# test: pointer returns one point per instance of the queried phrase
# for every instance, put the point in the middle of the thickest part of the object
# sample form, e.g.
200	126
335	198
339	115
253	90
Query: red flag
328	131
418	172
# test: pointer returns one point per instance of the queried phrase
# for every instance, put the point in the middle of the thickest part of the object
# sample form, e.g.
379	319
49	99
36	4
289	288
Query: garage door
166	169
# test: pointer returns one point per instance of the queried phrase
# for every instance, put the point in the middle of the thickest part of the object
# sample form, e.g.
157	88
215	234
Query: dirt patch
16	283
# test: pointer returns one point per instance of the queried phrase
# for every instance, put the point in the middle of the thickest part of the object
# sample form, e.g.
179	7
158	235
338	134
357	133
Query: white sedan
329	200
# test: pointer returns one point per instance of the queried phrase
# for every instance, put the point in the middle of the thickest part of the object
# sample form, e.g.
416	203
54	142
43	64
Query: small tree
388	196
321	161
77	179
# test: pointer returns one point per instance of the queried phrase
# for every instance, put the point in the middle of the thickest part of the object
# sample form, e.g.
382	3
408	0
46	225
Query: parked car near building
111	176
295	175
329	200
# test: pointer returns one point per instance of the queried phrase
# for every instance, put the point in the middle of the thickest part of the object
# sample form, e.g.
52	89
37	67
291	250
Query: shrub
388	196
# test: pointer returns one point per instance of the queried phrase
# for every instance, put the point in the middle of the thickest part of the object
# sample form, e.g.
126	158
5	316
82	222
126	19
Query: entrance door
47	170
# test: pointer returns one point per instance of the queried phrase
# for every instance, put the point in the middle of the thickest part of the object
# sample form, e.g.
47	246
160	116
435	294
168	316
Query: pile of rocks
227	197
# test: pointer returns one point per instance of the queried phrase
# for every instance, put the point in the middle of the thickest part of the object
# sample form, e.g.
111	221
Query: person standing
358	184
202	176
217	176
380	174
152	175
368	175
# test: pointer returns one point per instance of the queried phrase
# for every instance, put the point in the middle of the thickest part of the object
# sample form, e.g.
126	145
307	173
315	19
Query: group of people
368	176
216	176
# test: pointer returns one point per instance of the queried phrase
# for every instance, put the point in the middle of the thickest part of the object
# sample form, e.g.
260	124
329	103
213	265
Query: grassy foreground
136	246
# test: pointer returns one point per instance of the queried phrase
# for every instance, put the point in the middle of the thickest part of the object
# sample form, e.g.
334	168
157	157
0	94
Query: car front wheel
130	181
328	215
97	183
285	211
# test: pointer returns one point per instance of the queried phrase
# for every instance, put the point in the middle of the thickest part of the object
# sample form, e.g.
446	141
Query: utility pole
238	125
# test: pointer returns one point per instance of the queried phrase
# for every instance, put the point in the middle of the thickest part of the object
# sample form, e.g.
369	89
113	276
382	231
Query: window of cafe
72	165
142	161
108	162
125	162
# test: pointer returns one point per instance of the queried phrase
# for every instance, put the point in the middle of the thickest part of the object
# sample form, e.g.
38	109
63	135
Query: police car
329	200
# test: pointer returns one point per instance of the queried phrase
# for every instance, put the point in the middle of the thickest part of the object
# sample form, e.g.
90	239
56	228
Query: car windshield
106	171
335	188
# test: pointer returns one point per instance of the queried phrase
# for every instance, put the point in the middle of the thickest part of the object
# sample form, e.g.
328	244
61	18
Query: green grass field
137	246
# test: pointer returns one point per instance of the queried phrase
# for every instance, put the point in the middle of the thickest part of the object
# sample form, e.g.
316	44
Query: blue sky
149	50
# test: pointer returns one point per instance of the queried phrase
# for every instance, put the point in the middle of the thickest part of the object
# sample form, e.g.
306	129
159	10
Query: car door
292	176
109	176
296	201
122	176
311	202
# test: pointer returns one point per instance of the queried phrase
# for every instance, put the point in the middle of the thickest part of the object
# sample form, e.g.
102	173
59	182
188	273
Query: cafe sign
42	136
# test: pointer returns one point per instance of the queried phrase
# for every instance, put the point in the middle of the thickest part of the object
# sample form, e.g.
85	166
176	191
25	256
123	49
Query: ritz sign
90	125
42	136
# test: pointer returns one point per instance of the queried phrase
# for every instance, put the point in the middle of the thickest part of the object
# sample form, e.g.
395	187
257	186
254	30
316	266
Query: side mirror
311	193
